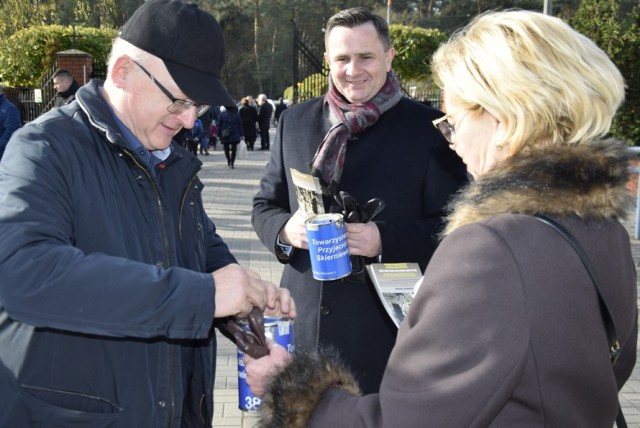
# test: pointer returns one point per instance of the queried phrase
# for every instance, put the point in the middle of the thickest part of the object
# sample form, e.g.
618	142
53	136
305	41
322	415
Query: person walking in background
230	129
213	134
507	328
113	275
195	137
206	120
249	117
364	138
265	110
65	86
280	107
182	137
9	119
252	102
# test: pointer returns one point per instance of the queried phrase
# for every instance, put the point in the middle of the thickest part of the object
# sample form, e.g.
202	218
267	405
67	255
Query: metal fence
310	74
32	102
636	170
309	70
430	97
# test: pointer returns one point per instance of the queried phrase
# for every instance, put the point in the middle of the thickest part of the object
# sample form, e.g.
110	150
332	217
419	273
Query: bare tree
256	39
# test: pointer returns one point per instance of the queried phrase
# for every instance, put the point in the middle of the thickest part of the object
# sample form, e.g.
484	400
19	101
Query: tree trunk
256	37
273	65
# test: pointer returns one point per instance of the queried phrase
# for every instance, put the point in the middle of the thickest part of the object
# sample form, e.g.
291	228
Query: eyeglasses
177	105
447	129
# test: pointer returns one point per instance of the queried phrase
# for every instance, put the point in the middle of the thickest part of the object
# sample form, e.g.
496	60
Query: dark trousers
192	146
230	152
250	142
264	138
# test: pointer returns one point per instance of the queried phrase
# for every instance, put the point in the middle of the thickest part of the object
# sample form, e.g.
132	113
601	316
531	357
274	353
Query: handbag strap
607	320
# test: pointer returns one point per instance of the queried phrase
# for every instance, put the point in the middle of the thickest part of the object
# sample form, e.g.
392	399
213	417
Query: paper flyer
395	284
308	193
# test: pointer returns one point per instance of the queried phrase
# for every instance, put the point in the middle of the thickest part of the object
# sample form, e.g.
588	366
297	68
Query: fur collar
293	394
587	180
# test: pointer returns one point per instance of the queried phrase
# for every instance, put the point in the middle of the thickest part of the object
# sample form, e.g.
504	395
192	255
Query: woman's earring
500	137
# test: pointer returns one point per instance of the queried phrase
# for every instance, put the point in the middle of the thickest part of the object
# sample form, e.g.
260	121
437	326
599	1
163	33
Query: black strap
607	320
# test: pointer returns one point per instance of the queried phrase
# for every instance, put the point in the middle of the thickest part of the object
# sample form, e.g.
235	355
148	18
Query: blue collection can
327	236
278	329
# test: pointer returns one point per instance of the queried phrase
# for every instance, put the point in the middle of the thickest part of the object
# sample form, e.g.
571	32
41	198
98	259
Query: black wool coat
249	117
403	160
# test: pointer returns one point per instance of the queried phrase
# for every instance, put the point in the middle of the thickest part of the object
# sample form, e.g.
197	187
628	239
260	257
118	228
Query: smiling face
358	61
476	138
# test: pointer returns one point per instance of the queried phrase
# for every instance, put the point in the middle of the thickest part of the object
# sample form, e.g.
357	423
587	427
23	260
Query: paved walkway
227	197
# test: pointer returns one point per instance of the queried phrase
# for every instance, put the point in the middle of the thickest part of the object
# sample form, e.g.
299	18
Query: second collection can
327	236
278	329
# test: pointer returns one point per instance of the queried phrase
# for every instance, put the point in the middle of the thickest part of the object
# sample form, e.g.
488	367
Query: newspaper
308	193
396	285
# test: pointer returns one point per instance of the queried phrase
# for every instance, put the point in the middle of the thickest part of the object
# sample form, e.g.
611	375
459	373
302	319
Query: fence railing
30	105
636	169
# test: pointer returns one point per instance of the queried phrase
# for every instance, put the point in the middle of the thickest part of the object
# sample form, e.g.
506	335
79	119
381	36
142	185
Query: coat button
324	310
162	403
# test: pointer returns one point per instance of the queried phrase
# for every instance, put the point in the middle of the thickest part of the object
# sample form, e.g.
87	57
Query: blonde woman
506	329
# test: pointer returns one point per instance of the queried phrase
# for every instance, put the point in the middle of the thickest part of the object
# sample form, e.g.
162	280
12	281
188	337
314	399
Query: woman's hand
261	370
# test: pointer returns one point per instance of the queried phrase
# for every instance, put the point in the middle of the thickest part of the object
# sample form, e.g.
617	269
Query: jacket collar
587	180
98	111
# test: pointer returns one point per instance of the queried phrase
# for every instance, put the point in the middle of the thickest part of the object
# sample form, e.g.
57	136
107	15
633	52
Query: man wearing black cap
112	273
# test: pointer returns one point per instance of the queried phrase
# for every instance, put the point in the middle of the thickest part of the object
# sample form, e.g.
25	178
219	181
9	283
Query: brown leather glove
252	342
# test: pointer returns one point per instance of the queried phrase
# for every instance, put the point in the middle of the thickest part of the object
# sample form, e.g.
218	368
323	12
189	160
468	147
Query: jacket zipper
165	243
184	197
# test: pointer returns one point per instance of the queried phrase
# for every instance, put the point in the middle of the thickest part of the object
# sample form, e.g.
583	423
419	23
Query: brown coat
506	329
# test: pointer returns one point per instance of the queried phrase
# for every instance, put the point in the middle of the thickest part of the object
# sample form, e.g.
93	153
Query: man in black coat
363	137
65	86
280	107
265	110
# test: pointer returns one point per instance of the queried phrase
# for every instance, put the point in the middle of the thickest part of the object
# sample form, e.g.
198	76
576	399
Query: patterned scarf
346	120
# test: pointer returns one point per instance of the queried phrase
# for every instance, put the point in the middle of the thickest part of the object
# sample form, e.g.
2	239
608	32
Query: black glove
372	208
253	342
354	214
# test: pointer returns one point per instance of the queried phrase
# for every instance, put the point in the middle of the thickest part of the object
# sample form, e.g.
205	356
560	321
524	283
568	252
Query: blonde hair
544	81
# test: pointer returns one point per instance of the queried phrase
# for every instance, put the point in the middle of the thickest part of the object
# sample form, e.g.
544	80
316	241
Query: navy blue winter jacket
106	306
232	120
9	121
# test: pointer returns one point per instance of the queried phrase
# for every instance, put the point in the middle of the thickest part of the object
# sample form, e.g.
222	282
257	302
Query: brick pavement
227	197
